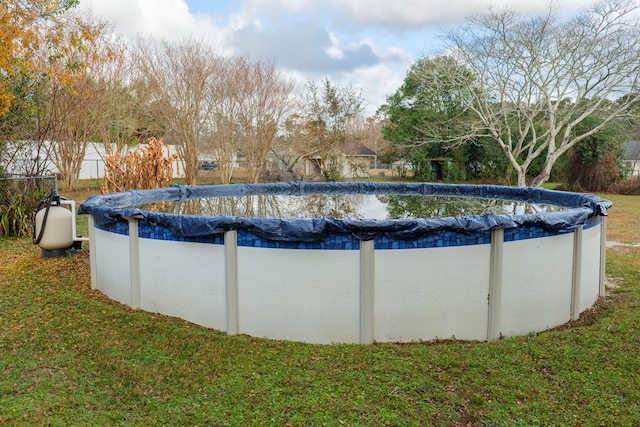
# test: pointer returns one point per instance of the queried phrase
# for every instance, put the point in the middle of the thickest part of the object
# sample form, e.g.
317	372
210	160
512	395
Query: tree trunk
542	177
545	173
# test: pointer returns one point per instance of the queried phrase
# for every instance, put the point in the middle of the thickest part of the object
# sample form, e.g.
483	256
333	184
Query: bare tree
330	112
535	78
180	76
72	133
288	151
249	102
264	99
221	123
116	122
370	128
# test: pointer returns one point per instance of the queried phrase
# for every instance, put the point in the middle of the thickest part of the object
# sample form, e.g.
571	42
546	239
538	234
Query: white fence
92	165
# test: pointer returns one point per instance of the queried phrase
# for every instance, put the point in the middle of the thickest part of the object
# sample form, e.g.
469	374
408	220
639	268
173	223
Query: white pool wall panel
435	292
536	284
313	295
299	295
112	264
590	277
189	283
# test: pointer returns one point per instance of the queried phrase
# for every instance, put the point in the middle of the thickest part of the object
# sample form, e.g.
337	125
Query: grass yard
70	356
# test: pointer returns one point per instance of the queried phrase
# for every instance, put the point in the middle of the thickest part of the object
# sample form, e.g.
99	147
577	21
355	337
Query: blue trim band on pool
111	211
341	241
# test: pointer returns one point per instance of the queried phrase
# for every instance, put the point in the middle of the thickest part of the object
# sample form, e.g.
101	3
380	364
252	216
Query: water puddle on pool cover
353	206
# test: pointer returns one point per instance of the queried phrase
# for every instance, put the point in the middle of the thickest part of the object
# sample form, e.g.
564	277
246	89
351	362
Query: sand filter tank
53	227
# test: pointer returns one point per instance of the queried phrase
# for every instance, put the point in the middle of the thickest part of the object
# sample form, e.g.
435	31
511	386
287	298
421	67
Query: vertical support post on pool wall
576	280
603	253
231	279
366	291
92	253
134	263
495	285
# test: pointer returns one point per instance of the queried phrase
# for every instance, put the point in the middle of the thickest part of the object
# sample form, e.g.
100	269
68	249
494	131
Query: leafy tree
427	99
72	93
53	54
25	26
427	115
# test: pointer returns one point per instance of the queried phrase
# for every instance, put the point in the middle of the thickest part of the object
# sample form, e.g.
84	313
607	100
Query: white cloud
304	46
409	13
334	51
377	84
168	20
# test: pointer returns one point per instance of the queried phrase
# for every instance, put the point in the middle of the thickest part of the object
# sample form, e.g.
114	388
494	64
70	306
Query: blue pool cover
580	208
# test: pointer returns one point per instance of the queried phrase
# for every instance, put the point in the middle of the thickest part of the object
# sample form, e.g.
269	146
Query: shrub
630	186
594	174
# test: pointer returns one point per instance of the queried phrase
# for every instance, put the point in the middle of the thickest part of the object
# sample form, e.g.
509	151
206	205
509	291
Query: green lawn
70	356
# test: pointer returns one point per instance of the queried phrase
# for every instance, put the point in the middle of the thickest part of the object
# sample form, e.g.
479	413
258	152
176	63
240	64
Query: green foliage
595	163
428	102
14	221
331	166
21	117
453	172
428	120
608	139
17	205
420	163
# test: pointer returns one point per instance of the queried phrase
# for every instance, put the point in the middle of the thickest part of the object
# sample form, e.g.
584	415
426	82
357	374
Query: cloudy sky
367	43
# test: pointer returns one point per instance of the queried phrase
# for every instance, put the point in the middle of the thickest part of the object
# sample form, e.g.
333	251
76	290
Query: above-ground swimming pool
330	280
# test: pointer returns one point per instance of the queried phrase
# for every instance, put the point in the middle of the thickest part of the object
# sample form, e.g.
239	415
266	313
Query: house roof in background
357	149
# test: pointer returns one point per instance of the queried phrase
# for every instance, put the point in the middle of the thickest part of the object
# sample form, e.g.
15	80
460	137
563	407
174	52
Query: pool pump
54	227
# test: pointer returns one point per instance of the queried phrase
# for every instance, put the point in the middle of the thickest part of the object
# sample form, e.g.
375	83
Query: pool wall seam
92	253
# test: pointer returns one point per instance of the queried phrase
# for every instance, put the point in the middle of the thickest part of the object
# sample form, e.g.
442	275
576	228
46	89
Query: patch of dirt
611	244
610	283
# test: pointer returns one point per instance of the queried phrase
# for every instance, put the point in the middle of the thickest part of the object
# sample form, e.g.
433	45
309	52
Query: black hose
49	201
